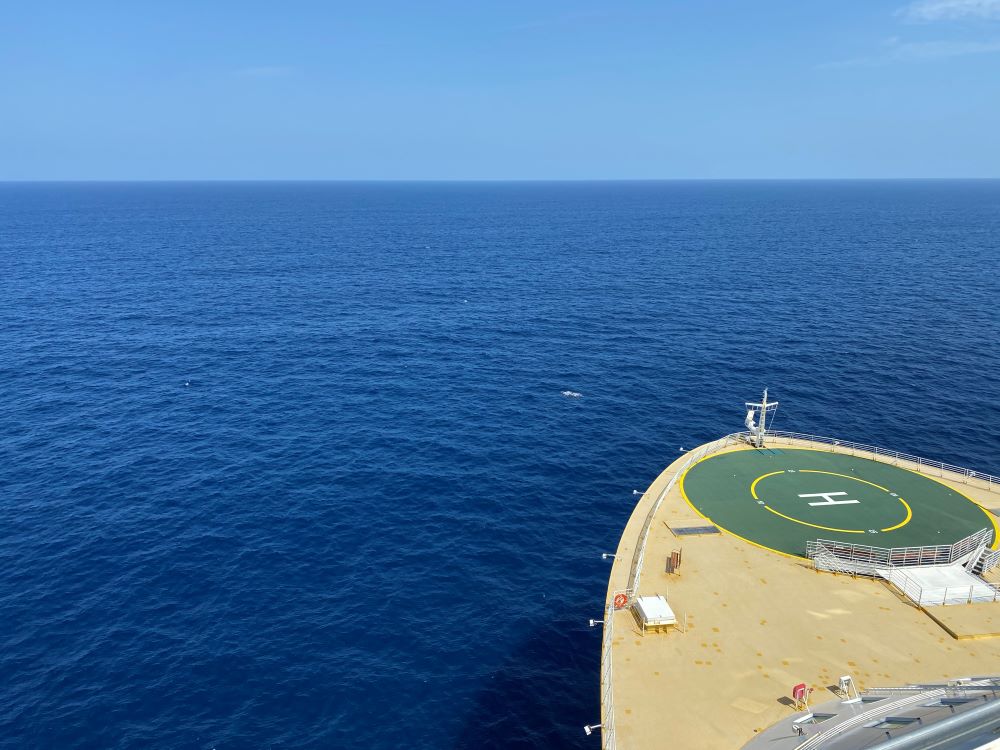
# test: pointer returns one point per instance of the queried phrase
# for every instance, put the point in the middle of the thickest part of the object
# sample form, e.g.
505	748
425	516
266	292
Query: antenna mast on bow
762	410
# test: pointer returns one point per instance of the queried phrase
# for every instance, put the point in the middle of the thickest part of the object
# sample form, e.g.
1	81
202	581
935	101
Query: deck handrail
866	716
883	454
921	694
993	482
877	562
638	557
870	556
608	739
932	595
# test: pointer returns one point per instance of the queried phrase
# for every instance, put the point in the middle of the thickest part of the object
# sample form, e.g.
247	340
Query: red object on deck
799	691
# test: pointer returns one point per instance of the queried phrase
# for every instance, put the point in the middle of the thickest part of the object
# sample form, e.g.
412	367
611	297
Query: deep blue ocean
287	465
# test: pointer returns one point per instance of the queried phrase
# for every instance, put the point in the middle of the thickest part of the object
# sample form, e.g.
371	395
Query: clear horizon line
481	179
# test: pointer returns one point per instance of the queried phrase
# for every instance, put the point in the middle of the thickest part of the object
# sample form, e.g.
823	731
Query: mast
760	409
763	417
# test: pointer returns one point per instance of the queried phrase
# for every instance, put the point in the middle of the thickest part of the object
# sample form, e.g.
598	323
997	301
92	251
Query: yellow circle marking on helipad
909	515
901	524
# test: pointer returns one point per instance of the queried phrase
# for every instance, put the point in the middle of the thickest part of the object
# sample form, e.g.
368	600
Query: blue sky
500	90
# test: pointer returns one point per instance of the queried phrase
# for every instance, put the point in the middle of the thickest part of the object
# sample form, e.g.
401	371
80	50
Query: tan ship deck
753	623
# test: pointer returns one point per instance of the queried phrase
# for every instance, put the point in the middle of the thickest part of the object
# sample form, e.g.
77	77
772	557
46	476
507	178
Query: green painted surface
865	500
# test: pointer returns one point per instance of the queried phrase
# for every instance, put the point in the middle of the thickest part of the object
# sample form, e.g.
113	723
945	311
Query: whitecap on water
571	394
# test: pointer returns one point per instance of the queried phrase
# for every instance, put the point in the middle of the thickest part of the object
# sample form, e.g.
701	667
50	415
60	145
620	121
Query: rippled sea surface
288	465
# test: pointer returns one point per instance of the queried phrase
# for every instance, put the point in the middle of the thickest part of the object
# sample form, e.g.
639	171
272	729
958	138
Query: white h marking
828	498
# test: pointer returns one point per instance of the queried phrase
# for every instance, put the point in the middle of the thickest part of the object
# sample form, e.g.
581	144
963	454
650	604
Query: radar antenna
762	410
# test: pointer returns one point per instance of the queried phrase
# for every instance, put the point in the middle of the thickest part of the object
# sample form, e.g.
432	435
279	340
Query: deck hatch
696	530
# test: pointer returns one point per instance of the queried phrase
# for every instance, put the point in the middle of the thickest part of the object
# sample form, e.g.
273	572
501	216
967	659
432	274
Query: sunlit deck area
754	615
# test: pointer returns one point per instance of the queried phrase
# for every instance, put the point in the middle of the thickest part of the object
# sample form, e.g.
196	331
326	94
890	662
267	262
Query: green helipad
784	497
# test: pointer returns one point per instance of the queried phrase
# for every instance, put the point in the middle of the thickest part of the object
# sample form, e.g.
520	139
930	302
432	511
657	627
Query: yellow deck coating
760	622
969	621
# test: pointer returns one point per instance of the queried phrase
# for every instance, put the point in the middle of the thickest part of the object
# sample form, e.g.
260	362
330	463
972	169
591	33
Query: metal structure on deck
891	564
762	411
754	435
866	560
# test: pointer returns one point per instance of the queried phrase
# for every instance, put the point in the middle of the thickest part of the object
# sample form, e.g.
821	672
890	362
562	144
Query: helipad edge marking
680	485
819	448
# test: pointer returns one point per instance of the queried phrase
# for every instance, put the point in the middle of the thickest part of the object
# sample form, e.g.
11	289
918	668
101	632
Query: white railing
935	596
638	557
864	559
866	716
989	560
919	694
879	454
882	454
824	559
608	739
890	564
608	736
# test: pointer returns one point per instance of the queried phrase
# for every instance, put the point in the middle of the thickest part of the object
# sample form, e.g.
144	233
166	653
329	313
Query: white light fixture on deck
606	555
596	622
589	729
849	690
